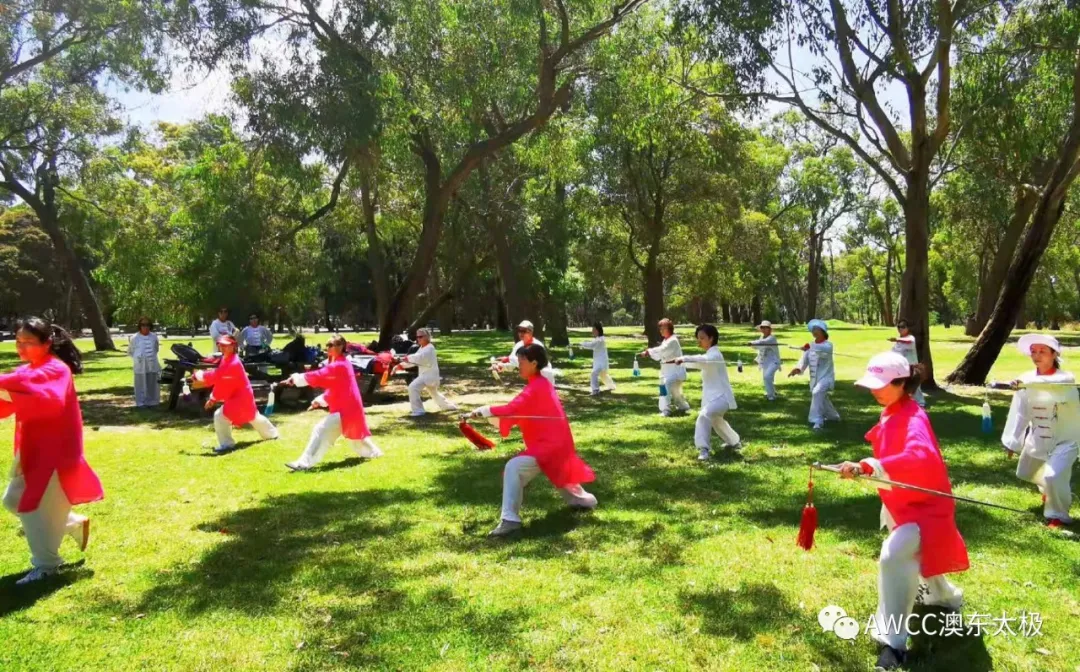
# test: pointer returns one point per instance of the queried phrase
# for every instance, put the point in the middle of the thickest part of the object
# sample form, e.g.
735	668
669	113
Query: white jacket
1043	417
905	345
768	351
714	379
818	360
599	349
219	329
143	350
427	364
513	363
665	352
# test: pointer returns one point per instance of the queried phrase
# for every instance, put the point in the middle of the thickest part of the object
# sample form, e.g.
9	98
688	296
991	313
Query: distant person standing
904	343
768	357
255	336
221	327
143	349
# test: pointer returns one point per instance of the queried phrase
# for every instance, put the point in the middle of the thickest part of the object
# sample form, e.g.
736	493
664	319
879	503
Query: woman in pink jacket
342	398
923	543
232	390
49	474
549	445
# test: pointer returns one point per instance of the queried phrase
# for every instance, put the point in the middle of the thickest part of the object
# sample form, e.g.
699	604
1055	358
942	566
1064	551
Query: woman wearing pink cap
232	390
923	543
1044	425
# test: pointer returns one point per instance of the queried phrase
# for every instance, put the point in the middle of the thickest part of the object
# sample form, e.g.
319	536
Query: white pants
674	396
821	407
711	418
768	373
517	474
918	397
46	525
898	586
147	389
419	385
597	375
223	427
1053	478
324	434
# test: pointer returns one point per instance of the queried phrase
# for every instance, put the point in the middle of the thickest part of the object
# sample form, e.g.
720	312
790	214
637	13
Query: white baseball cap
1028	340
525	324
765	323
883	369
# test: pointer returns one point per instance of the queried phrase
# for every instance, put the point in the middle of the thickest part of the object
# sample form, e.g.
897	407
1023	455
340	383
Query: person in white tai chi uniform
768	357
818	359
672	375
600	360
428	379
222	326
143	350
904	344
717	397
1044	426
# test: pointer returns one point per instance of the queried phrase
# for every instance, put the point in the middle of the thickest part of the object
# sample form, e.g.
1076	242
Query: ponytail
914	380
60	342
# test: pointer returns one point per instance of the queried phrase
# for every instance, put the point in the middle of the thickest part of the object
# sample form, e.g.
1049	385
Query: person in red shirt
924	543
549	444
49	474
342	398
232	390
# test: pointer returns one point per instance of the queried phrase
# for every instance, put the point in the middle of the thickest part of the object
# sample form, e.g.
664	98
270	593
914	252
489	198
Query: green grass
212	563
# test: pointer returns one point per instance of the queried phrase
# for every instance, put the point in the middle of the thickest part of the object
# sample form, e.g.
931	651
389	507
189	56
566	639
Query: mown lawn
210	563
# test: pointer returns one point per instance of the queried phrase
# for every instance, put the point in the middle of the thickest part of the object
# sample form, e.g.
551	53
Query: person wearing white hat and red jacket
924	543
232	390
768	357
672	375
1044	426
525	337
818	359
904	344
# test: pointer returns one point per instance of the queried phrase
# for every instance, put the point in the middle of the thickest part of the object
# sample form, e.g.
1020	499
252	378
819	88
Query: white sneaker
417	414
296	466
221	450
81	534
369	454
818	427
594	393
703	455
665	414
36	574
506	527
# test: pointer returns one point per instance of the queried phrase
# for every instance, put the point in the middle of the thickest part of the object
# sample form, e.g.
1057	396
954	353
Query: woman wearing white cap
818	359
672	375
427	365
904	343
1044	425
924	543
717	397
768	357
525	337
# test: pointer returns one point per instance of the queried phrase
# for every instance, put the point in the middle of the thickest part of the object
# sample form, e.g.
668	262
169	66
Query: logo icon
834	619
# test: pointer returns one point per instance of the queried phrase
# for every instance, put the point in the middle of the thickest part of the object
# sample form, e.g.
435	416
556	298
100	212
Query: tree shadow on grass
15	598
944	651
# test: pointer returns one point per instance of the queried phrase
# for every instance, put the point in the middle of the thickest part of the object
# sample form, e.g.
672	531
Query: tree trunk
813	276
1025	203
915	284
555	316
502	322
369	198
887	315
653	282
755	309
725	311
876	291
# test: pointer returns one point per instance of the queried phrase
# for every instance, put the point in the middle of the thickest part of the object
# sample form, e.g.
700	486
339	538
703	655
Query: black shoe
889	658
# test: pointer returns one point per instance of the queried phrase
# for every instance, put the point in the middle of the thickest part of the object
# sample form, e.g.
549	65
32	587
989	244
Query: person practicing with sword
549	444
525	337
924	543
768	357
672	375
1044	425
904	343
717	397
818	359
427	364
600	360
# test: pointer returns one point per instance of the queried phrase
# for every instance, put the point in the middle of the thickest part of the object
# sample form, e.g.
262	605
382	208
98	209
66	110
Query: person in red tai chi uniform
49	474
549	444
924	543
232	390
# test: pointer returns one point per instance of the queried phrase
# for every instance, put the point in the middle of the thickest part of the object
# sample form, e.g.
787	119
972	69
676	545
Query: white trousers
711	418
1053	477
419	385
517	474
597	376
324	434
768	373
46	525
898	587
674	397
223	428
821	407
147	389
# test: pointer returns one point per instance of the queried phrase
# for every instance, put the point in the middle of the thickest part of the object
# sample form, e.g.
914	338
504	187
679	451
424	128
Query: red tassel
385	377
808	524
479	440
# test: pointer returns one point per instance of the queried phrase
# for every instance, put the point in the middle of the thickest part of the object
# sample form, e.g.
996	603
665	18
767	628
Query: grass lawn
210	563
